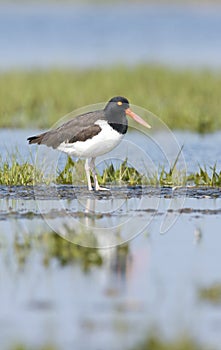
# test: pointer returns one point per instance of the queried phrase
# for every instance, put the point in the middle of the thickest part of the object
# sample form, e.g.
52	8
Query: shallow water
117	304
84	36
152	285
203	150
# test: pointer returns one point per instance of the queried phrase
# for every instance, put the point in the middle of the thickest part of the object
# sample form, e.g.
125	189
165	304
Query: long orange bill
137	118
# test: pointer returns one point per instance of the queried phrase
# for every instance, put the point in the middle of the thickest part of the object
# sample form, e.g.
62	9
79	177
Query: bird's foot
98	188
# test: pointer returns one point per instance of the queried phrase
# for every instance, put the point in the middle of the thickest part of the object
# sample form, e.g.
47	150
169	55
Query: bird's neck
118	121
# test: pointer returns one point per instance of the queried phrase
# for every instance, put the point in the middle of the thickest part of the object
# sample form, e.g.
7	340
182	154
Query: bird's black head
115	111
118	104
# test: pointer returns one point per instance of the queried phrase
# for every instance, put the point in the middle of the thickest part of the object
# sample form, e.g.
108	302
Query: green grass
15	173
205	178
74	173
183	99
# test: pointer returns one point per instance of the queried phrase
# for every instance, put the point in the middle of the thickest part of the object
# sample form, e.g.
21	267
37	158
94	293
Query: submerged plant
24	347
67	252
53	247
211	294
156	343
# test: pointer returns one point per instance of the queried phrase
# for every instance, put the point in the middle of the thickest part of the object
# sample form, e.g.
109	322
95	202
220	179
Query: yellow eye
119	103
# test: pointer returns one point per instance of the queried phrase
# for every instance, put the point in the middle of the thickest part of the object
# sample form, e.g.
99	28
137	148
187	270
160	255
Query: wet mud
72	192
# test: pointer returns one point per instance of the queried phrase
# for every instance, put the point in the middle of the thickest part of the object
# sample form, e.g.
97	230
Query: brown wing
86	134
79	128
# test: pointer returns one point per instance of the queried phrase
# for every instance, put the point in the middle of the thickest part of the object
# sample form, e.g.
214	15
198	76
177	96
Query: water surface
115	305
45	36
203	150
153	285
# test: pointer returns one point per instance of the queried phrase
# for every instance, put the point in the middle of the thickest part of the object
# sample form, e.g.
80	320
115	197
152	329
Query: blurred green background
59	56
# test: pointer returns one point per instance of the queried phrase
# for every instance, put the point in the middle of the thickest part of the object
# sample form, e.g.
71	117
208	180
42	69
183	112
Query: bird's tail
36	139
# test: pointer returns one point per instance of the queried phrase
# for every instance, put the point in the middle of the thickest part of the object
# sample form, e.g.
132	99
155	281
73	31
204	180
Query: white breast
102	143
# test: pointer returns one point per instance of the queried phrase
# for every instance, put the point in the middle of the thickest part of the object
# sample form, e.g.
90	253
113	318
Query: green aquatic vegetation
15	172
156	343
67	253
204	178
170	178
174	176
211	294
50	247
24	347
73	173
123	174
181	98
153	343
53	247
22	248
12	173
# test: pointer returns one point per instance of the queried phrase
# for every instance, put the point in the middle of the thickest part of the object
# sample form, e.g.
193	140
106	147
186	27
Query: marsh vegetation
37	99
181	98
16	173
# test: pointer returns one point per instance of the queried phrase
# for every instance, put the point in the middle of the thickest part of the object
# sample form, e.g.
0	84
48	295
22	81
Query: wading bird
91	134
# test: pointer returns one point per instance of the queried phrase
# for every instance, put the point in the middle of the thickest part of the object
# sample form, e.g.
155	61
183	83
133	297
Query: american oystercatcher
91	134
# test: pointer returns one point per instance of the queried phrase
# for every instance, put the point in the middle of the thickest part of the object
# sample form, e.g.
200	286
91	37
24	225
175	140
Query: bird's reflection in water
198	235
118	259
100	222
119	262
95	208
